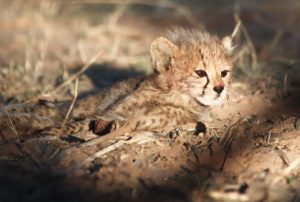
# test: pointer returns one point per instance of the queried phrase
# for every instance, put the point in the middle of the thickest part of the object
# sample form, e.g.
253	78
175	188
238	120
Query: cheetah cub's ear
162	50
227	43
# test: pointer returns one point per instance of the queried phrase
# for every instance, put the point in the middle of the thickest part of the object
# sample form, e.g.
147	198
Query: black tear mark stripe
204	65
205	86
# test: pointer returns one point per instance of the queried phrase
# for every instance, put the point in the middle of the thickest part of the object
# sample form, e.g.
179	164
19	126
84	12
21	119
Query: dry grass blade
115	16
80	48
236	29
285	90
11	123
112	26
231	132
248	41
73	102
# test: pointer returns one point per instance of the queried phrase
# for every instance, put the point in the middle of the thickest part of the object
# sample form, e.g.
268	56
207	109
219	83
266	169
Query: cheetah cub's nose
219	89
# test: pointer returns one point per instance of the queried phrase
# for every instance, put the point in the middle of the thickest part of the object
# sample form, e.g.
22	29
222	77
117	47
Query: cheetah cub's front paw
102	127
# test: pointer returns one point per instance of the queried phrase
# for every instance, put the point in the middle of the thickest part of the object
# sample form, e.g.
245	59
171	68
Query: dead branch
93	142
140	139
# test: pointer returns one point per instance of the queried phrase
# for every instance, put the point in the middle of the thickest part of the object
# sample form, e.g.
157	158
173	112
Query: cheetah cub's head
194	62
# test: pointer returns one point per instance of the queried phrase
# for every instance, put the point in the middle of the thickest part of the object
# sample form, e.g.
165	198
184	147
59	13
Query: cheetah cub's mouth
211	99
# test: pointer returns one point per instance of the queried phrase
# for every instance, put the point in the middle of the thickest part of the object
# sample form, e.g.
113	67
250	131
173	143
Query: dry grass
47	45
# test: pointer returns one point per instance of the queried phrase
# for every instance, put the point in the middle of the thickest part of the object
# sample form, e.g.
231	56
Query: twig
111	136
73	101
104	151
140	138
127	128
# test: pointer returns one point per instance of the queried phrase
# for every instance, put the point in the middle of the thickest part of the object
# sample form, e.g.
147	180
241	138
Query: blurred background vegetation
44	41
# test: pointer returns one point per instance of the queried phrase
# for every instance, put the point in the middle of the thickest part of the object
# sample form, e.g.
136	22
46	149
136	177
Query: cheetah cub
192	72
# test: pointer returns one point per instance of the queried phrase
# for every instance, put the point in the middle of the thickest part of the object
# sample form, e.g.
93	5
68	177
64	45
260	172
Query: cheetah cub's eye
224	73
201	73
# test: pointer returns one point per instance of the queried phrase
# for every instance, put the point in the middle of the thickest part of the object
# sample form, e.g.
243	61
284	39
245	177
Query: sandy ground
249	152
